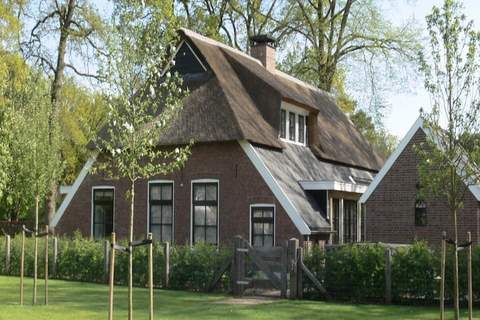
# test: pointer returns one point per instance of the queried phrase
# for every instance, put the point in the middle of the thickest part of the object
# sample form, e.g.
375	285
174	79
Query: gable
187	61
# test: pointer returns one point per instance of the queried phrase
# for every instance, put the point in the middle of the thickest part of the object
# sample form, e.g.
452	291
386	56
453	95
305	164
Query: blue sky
404	107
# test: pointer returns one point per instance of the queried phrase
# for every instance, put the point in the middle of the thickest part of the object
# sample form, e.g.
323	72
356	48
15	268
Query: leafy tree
142	104
449	156
77	29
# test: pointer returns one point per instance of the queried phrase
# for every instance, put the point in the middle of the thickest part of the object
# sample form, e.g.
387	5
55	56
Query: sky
404	107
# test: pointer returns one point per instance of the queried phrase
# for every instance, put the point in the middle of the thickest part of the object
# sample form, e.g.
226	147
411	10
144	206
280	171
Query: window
350	221
205	212
301	129
102	212
161	210
263	222
336	219
420	209
283	124
291	126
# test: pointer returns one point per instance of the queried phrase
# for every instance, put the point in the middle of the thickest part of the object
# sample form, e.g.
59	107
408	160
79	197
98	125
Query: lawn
79	301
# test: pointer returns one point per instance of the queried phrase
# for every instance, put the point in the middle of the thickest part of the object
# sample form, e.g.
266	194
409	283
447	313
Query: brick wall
239	186
390	209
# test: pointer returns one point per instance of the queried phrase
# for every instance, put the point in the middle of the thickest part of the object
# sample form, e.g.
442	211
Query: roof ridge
211	41
302	83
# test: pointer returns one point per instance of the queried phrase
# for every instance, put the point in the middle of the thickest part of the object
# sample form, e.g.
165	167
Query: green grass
79	301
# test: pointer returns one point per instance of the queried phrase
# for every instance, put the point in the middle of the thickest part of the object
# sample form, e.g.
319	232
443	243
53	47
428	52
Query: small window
102	213
283	124
205	212
161	211
301	129
263	222
420	209
420	213
291	126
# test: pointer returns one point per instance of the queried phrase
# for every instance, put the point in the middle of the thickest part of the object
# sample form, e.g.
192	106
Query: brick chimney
263	49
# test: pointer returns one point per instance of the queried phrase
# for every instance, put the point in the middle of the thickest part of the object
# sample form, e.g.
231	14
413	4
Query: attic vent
263	49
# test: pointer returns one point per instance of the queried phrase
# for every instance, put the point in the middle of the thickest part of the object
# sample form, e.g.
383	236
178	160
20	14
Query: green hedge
80	259
357	272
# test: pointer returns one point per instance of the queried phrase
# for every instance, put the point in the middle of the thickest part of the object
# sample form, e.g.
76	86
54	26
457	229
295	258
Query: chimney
263	49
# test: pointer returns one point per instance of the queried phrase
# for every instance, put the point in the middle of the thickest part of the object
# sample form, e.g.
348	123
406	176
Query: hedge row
357	272
79	259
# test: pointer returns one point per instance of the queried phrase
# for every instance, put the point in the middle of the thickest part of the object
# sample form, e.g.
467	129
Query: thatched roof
241	101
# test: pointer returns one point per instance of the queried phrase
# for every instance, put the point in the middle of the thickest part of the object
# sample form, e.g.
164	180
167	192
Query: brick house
274	158
395	211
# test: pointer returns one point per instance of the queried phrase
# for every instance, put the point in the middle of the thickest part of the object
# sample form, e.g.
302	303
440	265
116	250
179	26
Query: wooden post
7	253
111	279
46	265
150	274
22	265
442	276
284	270
106	260
292	266
55	256
470	293
299	273
388	275
166	256
239	269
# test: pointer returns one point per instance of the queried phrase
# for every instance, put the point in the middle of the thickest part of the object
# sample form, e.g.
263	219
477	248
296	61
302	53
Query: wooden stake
150	274
470	293
7	253
166	256
388	276
112	278
35	258
22	265
46	265
442	276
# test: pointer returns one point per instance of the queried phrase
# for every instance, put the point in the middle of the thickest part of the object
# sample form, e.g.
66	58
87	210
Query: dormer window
293	124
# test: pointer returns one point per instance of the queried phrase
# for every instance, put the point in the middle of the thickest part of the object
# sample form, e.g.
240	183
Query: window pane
198	192
199	234
99	231
103	195
291	126
199	215
99	214
211	212
283	124
257	213
155	192
211	192
167	191
268	228
167	213
301	129
268	241
211	236
257	241
155	230
155	214
268	213
167	233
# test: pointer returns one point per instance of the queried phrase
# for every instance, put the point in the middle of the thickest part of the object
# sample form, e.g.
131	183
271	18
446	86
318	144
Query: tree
78	30
449	155
143	102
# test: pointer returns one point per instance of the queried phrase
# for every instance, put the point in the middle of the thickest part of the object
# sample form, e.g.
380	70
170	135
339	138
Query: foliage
449	157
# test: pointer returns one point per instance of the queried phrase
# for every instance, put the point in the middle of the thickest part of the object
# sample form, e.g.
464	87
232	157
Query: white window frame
289	108
256	205
172	182
92	201
192	182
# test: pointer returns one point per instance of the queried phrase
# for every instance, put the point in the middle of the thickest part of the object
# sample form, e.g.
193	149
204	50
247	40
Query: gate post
388	275
238	266
284	269
299	273
292	266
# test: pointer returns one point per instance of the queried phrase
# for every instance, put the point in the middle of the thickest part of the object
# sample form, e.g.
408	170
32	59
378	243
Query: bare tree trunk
455	268
35	255
130	253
